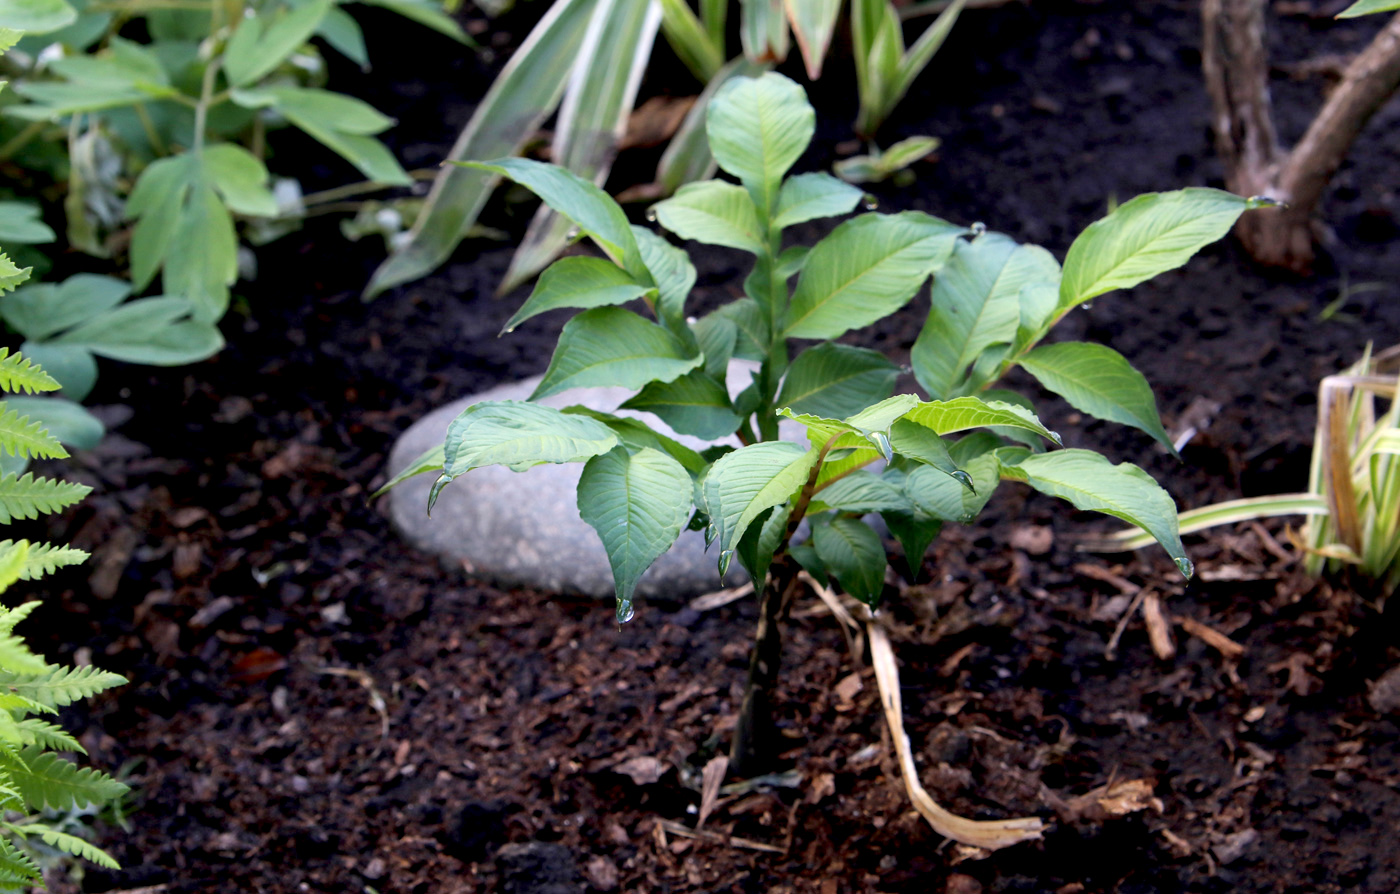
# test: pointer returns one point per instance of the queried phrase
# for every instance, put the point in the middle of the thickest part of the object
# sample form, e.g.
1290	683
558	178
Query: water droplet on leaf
964	479
724	559
1087	305
625	611
978	228
1185	566
574	233
651	215
869	202
882	442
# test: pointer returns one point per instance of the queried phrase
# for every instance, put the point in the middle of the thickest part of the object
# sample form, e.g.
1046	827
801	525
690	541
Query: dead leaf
642	770
655	121
846	691
711	778
1110	801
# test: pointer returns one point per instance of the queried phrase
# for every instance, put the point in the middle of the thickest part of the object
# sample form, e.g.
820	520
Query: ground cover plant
992	303
587	58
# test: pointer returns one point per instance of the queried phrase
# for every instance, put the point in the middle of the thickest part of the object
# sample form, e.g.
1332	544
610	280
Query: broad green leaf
593	210
36	16
861	491
578	282
203	259
344	125
638	504
792	260
241	178
592	120
609	346
762	540
687	157
155	331
518	435
807	197
742	484
341	31
1366	7
1227	513
429	460
813	22
1090	482
975	303
716	213
920	444
694	404
854	555
866	269
73	367
751	325
836	381
524	94
673	274
1039	302
915	532
21	224
758	127
157	203
43	310
1153	233
716	337
67	421
939	495
687	36
961	413
1098	380
263	41
882	165
636	434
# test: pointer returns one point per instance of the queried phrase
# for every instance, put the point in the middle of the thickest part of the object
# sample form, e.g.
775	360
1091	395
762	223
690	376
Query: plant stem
201	111
755	746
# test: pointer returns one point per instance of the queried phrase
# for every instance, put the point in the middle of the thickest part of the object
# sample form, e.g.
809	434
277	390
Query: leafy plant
166	138
1352	502
917	463
586	59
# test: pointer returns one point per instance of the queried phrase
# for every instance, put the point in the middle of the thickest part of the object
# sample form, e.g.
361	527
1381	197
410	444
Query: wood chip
1159	631
642	770
1210	636
710	780
718	598
1103	574
1112	800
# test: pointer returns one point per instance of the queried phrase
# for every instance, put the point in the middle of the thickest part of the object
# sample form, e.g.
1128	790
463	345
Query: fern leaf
50	736
27	440
58	686
10	799
46	780
15	866
72	844
12	560
11	276
16	658
27	496
46	558
9	617
18	373
11	702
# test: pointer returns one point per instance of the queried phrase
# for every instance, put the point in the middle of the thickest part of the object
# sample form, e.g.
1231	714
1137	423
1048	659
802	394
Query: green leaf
807	197
762	541
751	326
763	30
14	556
912	64
597	106
609	346
263	41
203	258
687	156
836	381
43	310
636	435
909	439
716	213
341	31
915	532
1099	381
518	435
938	495
36	16
25	439
58	687
241	178
67	421
975	304
758	127
154	331
44	558
854	555
1366	7
1151	234
21	224
688	37
344	125
961	413
866	269
878	46
694	404
861	492
742	484
524	94
578	282
638	504
429	460
26	496
813	22
78	847
428	13
18	373
10	275
673	274
593	210
1090	482
47	780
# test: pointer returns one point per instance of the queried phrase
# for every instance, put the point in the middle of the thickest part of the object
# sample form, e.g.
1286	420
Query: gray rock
537	867
523	528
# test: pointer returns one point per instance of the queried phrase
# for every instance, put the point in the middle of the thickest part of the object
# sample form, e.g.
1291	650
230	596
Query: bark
754	749
1236	68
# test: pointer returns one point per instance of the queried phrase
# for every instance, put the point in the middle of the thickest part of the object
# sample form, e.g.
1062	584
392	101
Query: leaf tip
1185	566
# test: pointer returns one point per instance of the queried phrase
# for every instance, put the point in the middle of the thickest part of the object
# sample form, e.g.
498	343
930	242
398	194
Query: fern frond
11	276
27	440
8	38
57	686
16	658
11	702
71	844
10	799
47	735
46	558
18	373
46	780
15	866
9	617
12	561
27	496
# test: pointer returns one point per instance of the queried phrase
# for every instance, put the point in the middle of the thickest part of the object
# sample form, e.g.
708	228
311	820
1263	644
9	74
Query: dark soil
314	707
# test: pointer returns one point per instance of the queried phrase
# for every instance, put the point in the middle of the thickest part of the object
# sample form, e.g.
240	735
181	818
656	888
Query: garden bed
314	707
